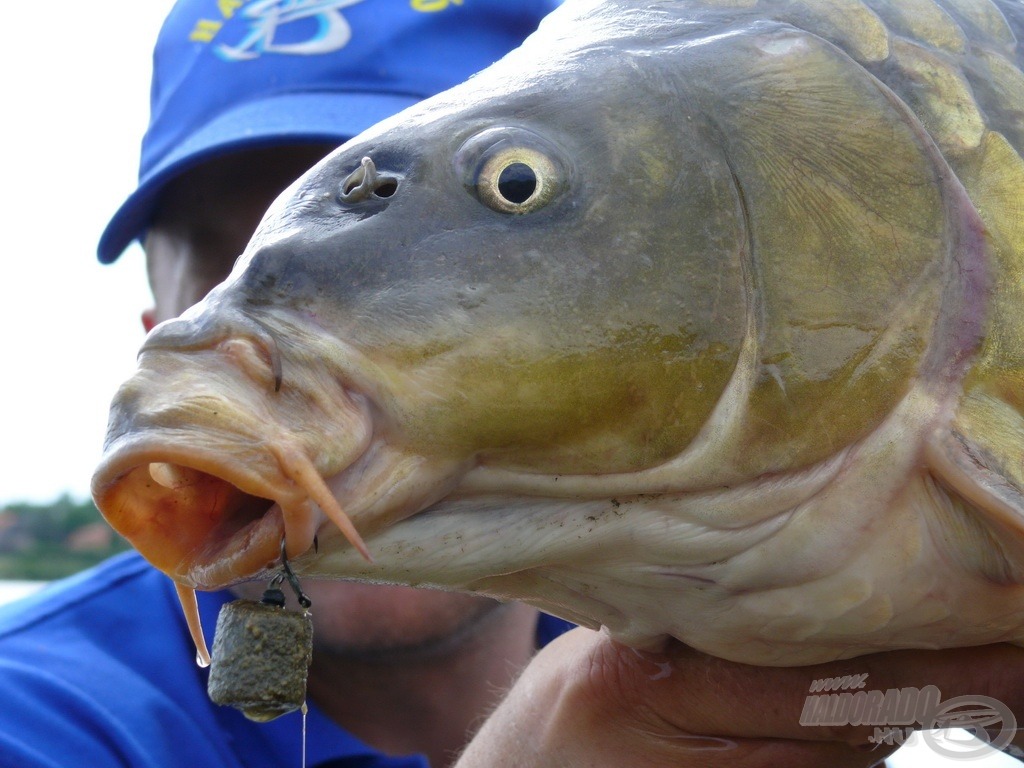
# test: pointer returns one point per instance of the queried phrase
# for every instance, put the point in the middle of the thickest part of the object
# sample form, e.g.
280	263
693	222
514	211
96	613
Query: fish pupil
517	183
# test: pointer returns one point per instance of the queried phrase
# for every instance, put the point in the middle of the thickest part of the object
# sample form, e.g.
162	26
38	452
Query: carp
689	318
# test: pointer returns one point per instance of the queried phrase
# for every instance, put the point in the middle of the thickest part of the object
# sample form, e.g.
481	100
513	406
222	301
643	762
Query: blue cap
243	74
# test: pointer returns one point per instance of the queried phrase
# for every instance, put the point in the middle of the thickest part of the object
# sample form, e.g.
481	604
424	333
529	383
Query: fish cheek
618	408
623	334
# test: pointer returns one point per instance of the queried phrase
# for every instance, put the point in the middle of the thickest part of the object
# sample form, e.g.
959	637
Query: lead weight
261	656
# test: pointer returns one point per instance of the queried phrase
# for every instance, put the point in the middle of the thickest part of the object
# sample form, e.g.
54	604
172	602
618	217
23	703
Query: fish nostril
386	188
351	184
359	184
364	182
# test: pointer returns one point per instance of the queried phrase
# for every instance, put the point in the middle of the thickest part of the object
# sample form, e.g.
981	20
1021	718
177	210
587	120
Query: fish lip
242	517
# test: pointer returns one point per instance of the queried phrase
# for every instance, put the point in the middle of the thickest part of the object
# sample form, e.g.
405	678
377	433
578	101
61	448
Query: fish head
481	282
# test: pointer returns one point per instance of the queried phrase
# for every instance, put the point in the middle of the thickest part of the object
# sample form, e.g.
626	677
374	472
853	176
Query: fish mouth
206	522
209	523
206	485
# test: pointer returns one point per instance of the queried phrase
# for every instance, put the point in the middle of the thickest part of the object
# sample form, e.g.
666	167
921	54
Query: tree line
48	541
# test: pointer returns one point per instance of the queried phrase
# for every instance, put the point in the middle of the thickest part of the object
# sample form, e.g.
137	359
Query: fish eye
517	180
511	170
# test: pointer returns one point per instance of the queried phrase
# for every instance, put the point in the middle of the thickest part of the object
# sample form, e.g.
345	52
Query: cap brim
293	118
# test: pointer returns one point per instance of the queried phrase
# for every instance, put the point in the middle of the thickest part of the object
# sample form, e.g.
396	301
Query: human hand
587	701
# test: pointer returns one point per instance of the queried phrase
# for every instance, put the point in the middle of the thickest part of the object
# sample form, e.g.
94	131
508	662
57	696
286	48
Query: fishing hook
274	595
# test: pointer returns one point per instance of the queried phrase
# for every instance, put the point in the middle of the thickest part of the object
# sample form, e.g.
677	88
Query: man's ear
149	319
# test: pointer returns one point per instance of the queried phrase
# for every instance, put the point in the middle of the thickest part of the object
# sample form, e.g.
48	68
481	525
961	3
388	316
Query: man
98	672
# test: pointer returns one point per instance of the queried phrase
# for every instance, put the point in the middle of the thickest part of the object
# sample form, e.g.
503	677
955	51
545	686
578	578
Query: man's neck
429	703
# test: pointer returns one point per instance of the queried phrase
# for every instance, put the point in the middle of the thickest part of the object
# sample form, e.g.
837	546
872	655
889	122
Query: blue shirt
98	670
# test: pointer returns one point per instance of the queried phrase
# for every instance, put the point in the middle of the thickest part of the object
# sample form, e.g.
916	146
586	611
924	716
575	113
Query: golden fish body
697	318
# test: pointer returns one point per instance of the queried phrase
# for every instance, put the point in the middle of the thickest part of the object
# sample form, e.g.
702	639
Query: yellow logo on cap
429	6
267	16
206	29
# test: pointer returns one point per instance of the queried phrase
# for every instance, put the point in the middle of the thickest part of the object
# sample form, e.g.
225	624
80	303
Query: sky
76	88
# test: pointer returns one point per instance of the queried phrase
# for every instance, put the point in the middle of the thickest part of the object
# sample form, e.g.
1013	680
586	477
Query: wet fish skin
751	376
